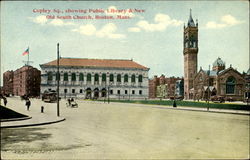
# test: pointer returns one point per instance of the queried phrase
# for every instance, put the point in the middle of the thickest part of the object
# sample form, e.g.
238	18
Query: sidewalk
187	108
37	118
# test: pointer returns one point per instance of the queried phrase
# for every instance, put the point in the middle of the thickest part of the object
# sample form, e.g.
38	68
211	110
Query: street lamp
58	114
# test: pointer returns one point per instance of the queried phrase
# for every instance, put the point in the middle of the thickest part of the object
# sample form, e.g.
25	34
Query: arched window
111	78
57	76
118	78
89	77
133	78
140	78
125	78
50	76
73	77
65	77
104	77
81	77
96	77
230	85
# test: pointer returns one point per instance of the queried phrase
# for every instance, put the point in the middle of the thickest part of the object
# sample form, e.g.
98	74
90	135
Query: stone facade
95	78
190	51
227	83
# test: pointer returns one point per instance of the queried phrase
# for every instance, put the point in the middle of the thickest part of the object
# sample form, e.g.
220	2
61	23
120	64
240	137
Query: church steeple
190	51
190	20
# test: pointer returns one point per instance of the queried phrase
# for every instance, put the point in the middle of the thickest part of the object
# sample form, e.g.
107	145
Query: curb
15	119
30	125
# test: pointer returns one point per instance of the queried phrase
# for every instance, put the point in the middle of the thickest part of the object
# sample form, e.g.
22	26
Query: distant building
8	82
163	87
26	81
247	86
227	83
93	78
179	88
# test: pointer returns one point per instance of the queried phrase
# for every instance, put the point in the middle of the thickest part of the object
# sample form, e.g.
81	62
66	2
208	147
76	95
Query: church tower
190	52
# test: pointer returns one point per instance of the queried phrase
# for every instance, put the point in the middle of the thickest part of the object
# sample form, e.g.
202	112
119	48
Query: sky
152	34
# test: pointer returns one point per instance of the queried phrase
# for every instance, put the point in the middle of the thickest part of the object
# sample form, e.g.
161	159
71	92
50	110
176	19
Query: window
50	76
126	91
118	78
65	77
73	90
133	78
96	77
103	77
65	90
140	92
111	91
111	78
81	78
80	90
133	91
73	77
126	78
89	77
57	76
140	78
118	91
230	85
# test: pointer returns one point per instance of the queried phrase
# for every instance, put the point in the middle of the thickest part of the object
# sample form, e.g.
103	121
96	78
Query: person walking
174	104
5	101
28	104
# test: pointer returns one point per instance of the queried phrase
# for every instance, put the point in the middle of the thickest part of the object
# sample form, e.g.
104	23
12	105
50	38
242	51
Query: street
97	130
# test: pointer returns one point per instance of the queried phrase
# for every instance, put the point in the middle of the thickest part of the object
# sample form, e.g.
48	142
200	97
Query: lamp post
58	113
208	92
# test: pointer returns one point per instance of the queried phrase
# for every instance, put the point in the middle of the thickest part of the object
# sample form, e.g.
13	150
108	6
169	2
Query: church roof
211	73
190	20
96	63
218	62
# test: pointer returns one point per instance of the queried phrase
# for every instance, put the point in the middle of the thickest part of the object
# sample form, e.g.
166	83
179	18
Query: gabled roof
96	63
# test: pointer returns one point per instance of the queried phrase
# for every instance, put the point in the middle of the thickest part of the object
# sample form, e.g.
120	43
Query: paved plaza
97	130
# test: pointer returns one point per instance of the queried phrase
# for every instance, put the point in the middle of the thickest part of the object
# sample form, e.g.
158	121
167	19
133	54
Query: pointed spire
191	21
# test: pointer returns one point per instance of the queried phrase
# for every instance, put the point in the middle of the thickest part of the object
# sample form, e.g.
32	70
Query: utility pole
58	113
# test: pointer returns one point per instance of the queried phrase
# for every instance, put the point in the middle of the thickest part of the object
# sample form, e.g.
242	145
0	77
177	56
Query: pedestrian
69	102
5	101
174	104
28	104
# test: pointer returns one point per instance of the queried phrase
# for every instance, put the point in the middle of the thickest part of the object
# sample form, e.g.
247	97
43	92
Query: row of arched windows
96	77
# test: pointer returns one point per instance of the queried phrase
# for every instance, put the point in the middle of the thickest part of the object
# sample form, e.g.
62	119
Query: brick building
8	83
26	81
220	82
163	87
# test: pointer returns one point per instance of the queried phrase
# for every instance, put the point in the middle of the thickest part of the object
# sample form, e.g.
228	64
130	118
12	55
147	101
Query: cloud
59	22
134	29
162	21
39	19
108	30
226	21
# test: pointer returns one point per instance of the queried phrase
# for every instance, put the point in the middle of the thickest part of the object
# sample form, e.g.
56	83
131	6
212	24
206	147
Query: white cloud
162	21
39	19
88	29
134	29
59	22
108	30
226	20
